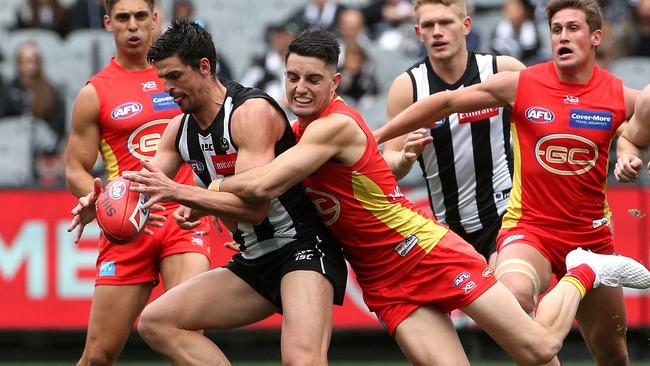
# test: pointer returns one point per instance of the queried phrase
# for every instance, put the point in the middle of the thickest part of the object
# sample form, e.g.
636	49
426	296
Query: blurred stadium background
46	281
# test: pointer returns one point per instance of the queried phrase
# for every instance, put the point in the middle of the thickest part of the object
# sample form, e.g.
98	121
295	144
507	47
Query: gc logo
566	154
328	207
143	141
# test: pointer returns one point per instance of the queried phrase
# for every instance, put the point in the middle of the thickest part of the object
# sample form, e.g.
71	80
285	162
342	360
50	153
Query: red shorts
555	244
451	277
137	262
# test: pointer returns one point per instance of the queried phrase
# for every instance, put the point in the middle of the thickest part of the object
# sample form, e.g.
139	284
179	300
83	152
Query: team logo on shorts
488	271
107	269
461	278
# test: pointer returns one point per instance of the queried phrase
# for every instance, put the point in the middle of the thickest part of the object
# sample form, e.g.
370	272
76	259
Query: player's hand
154	219
153	182
232	245
627	168
231	226
84	212
188	218
414	145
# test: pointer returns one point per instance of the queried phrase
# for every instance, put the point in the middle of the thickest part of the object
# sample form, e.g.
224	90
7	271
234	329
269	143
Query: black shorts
485	240
265	273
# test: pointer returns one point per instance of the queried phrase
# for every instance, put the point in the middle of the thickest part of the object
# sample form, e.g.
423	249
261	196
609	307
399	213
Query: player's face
441	29
183	83
310	85
131	22
572	43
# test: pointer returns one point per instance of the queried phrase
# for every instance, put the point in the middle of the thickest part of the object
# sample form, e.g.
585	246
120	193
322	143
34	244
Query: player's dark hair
593	14
109	4
320	44
187	40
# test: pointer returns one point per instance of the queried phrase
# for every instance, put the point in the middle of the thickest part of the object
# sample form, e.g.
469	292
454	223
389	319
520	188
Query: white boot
611	270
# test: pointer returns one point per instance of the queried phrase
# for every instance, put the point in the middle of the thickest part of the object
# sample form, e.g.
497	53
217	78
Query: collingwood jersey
212	154
468	166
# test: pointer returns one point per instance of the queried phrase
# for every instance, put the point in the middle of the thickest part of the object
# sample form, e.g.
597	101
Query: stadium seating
634	71
15	151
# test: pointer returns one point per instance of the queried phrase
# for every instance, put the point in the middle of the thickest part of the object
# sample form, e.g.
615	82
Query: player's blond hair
461	8
593	14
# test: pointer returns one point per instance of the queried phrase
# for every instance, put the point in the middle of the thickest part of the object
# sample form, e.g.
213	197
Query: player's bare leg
526	273
112	315
602	321
217	299
177	268
428	337
307	298
536	341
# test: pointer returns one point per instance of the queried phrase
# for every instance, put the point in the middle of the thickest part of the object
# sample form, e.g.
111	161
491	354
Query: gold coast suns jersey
561	135
134	111
383	234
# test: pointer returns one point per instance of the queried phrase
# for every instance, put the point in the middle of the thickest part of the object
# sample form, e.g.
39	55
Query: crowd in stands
362	26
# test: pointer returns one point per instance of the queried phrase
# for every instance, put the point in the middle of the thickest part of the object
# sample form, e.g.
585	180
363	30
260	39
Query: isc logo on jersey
566	154
143	141
539	115
126	110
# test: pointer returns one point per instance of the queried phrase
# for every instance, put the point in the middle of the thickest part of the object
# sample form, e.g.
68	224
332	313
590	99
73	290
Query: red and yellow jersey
133	113
383	234
561	136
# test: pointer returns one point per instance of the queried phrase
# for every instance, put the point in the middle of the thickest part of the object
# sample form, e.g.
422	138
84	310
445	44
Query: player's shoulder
508	63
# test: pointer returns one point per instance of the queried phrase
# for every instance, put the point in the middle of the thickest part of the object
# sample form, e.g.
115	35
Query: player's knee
613	358
614	353
537	351
150	327
304	355
522	289
97	357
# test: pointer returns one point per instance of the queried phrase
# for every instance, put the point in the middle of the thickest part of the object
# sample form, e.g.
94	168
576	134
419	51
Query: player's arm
401	152
167	158
333	137
634	140
255	128
83	143
509	63
498	91
80	157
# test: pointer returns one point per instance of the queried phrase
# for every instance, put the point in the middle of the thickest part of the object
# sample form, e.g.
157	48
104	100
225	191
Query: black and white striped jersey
212	154
468	167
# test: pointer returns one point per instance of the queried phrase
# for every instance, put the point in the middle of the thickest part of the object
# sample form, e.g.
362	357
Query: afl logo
566	154
539	115
126	110
197	166
143	141
328	207
117	190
